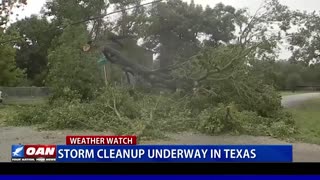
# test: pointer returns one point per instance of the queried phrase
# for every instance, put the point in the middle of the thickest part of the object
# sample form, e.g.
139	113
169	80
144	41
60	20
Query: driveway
293	100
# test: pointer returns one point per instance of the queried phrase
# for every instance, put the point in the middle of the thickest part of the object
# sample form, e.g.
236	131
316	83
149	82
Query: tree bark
156	78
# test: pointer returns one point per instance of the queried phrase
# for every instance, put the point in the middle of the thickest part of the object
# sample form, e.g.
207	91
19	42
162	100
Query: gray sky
34	7
253	5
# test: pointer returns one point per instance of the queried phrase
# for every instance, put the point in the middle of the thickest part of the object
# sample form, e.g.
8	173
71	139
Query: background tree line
284	75
170	30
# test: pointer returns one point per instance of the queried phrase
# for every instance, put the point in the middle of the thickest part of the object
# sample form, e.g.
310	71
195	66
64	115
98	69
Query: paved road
25	135
293	100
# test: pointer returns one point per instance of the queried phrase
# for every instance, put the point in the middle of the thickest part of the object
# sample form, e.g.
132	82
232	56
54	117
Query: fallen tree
157	78
215	70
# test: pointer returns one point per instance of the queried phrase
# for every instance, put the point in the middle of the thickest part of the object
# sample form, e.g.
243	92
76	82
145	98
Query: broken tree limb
156	78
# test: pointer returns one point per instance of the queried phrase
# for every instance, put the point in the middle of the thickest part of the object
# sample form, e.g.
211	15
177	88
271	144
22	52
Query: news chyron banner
124	149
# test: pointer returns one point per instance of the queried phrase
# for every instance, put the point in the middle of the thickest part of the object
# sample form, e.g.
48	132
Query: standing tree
10	75
305	40
173	29
32	52
120	32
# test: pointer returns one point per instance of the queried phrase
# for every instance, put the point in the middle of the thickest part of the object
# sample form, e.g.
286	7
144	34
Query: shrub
228	119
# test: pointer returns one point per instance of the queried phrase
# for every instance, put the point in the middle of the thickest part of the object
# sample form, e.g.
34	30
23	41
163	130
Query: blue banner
175	153
160	177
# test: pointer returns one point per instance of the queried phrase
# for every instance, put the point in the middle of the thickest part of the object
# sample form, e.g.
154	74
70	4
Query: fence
25	91
309	88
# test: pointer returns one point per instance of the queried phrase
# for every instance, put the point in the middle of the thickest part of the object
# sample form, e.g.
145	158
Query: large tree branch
154	77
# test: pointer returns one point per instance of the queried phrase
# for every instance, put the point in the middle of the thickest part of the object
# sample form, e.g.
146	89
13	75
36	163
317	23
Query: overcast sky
34	7
253	5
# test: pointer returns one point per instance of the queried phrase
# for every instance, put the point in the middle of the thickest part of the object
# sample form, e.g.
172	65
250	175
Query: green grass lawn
6	113
307	117
11	105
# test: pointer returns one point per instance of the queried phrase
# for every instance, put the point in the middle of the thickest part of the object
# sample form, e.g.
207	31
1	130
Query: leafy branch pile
151	116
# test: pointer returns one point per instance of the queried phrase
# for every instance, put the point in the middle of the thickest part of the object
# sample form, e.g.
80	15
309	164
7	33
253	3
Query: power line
114	12
92	18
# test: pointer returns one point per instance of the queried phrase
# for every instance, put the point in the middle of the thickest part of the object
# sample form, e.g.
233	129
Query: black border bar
161	168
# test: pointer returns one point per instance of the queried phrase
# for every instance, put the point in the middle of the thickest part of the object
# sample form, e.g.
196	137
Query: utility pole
105	74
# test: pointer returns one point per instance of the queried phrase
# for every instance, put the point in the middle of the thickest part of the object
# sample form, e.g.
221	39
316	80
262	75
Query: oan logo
40	151
17	151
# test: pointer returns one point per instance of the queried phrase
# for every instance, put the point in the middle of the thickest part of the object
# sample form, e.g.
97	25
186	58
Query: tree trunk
156	78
